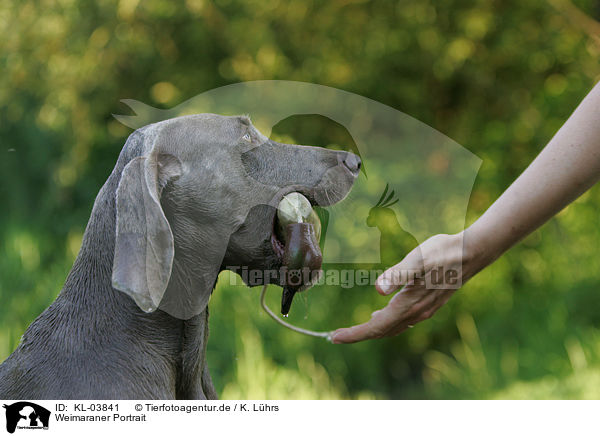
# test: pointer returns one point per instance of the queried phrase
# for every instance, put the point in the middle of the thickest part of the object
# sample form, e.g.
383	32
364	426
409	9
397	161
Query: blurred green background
498	77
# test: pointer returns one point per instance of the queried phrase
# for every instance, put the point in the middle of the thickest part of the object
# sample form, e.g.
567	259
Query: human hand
566	167
429	275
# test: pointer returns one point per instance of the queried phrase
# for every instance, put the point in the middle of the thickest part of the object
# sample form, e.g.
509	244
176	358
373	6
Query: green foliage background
499	77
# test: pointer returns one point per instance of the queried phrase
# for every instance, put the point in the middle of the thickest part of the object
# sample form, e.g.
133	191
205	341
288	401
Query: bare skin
567	167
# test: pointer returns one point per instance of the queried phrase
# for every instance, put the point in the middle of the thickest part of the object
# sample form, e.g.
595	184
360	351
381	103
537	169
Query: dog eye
247	137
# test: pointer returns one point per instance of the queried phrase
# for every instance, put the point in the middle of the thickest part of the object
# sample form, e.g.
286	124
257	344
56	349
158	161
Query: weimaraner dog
188	197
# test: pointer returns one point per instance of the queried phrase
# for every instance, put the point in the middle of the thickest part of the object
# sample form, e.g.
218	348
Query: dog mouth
295	241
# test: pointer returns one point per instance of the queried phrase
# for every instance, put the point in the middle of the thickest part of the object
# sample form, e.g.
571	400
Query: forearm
566	167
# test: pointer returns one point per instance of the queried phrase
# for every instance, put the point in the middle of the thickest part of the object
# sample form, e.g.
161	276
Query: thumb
401	273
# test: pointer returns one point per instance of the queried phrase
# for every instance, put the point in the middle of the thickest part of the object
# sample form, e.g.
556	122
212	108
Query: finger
382	323
425	307
352	334
401	273
412	301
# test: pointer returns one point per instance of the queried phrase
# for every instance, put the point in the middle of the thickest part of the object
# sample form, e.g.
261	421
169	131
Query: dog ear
144	246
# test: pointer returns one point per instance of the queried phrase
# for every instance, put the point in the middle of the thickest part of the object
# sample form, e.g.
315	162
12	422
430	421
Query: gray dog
187	198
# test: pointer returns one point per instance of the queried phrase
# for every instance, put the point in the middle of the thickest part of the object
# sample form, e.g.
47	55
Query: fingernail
386	286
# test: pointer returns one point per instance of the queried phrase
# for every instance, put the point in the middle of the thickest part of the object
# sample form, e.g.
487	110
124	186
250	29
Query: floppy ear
144	246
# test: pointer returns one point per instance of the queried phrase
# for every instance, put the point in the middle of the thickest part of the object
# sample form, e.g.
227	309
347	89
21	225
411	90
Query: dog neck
173	349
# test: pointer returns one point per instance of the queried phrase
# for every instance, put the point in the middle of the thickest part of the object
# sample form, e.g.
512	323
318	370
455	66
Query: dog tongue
300	229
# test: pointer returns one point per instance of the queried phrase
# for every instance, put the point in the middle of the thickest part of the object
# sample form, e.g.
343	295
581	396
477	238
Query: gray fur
217	192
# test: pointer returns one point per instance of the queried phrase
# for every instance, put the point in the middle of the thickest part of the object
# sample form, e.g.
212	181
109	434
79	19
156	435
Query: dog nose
352	162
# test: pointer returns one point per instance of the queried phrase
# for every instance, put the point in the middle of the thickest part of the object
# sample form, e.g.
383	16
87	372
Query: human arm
567	167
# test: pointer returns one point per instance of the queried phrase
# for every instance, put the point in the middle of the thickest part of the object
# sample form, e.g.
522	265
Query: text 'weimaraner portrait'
188	198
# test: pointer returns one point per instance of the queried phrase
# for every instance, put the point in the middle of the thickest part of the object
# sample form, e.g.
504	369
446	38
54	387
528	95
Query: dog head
198	194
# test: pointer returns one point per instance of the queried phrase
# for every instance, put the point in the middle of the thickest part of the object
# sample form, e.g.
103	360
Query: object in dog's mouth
298	229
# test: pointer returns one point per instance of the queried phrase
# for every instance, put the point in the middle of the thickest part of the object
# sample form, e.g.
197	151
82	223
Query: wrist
477	254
